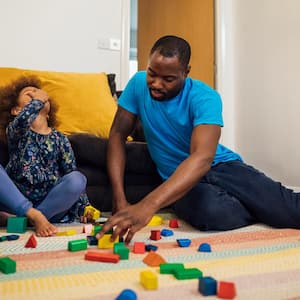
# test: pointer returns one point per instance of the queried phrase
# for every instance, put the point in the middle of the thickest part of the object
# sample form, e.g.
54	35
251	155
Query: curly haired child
41	180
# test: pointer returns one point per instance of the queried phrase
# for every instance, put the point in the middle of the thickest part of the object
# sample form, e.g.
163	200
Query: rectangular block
16	224
7	265
102	257
77	245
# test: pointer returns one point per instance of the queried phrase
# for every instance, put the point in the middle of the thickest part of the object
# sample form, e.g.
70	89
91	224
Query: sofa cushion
84	100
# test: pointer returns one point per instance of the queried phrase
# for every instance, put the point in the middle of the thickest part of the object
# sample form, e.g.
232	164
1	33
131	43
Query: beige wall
258	75
62	35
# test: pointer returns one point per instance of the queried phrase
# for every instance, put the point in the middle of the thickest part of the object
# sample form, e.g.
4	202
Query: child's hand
39	95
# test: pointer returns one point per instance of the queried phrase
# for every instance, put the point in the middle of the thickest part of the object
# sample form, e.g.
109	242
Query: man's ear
187	71
15	110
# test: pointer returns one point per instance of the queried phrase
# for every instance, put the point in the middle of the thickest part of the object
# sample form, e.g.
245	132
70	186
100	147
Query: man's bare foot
42	226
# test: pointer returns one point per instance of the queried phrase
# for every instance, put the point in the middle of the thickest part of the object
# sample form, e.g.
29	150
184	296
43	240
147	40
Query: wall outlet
115	44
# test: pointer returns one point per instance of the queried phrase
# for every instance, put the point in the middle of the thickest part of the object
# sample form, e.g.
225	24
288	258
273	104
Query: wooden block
32	242
7	265
153	259
17	224
226	290
139	248
149	280
77	245
102	257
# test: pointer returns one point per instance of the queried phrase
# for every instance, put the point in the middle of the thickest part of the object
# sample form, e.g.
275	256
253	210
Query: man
206	184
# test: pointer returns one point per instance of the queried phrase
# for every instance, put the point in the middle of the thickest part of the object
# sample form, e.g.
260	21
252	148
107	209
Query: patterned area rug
264	263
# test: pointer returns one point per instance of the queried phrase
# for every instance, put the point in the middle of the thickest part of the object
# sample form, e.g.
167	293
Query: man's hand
128	221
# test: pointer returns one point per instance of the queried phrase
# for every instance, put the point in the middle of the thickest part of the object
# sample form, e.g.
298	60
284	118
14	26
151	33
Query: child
41	180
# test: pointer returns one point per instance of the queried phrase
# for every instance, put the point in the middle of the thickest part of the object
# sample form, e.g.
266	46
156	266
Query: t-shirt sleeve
207	109
128	98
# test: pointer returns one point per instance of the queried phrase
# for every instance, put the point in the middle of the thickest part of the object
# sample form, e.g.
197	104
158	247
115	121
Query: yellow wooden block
95	213
155	221
68	232
149	280
105	243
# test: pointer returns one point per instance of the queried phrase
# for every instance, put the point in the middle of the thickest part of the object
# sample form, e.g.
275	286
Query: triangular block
31	243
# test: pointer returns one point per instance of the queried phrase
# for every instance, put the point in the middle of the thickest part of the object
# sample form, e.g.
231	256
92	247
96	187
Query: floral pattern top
37	161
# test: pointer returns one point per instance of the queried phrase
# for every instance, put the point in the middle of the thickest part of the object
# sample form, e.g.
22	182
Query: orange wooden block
153	259
31	243
103	257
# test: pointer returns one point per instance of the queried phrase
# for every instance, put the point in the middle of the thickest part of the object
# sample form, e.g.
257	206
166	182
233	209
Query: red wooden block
173	223
155	235
226	290
31	243
103	257
139	247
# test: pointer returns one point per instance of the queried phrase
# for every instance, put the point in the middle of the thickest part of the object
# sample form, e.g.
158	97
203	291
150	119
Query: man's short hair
171	45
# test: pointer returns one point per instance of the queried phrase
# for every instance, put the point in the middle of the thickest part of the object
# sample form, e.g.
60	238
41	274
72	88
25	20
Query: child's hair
9	98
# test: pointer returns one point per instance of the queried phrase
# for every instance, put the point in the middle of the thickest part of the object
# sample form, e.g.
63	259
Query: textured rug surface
264	263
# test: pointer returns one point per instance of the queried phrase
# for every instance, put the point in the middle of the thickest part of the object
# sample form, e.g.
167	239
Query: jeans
234	194
58	201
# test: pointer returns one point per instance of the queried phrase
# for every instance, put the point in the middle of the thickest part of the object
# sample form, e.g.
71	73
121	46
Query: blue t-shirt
168	125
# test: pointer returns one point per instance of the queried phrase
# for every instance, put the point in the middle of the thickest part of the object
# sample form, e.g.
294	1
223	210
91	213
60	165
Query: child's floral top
37	161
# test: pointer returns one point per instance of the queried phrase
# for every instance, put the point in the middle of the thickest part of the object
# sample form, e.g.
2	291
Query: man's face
165	76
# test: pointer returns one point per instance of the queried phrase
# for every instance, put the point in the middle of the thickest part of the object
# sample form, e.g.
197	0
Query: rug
264	263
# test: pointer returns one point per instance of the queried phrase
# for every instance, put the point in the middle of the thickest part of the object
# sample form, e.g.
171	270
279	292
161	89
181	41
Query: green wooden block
170	268
16	224
97	228
77	245
192	273
7	265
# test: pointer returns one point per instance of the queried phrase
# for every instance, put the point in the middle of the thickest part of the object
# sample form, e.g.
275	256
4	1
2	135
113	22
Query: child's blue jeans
58	201
233	194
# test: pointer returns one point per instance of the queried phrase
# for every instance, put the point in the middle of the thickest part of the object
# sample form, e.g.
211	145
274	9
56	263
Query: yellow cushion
84	100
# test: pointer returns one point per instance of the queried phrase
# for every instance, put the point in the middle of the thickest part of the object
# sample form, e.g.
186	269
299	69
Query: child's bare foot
42	226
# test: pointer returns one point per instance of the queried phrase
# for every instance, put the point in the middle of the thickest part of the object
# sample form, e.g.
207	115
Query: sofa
90	149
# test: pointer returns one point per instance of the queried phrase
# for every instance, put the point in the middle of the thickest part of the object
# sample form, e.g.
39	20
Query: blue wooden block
183	242
127	295
166	232
204	247
207	286
150	248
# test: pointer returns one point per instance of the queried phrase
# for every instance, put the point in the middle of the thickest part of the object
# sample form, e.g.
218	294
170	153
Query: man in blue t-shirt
207	184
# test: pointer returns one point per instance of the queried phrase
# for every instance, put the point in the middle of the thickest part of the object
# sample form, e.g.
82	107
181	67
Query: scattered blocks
207	286
153	259
121	250
170	268
166	232
183	242
102	257
155	235
149	280
16	224
105	243
7	265
173	223
139	247
151	248
226	290
77	245
68	232
192	273
204	247
127	295
32	242
155	221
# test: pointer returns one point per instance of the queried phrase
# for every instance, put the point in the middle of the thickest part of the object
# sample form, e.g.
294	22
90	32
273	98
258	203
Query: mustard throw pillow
84	100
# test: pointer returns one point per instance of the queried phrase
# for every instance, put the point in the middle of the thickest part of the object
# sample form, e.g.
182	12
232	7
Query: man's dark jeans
233	194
